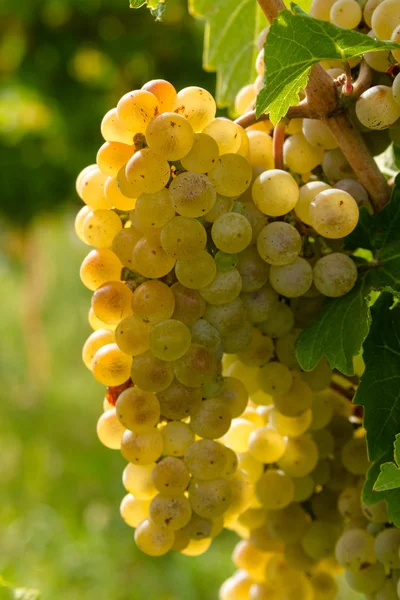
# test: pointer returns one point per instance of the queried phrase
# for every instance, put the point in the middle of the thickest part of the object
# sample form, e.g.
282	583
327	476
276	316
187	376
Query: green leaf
340	328
156	7
388	479
379	389
372	496
137	3
231	33
290	55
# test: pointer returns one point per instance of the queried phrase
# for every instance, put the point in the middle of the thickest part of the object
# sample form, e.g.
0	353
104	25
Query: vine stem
295	112
323	104
277	144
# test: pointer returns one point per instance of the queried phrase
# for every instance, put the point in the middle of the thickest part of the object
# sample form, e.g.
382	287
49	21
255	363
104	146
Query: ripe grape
275	192
291	280
110	430
279	243
136	109
334	213
142	448
153	539
196	105
137	410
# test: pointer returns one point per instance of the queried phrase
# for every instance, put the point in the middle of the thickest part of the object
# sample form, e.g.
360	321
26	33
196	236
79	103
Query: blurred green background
63	64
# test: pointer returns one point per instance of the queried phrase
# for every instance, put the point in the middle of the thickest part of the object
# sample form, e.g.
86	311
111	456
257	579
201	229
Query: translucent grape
137	410
178	401
113	130
100	227
189	305
209	499
291	426
376	108
275	489
137	480
192	194
297	558
336	166
222	205
355	548
172	512
318	134
300	458
244	98
289	524
177	438
78	224
385	18
154	210
299	155
164	91
150	373
111	301
133	510
170	476
196	105
275	378
109	430
211	419
205	459
324	586
170	135
295	401
142	448
234	394
303	488
279	243
252	269
231	175
387	545
349	503
379	61
196	273
112	156
150	259
237	438
226	134
169	340
224	288
153	539
250	465
335	274
146	172
260	150
367	580
183	238
320	539
92	189
334	213
110	366
346	13
266	445
291	280
275	192
369	9
306	196
153	301
231	232
95	341
236	587
136	109
319	379
96	323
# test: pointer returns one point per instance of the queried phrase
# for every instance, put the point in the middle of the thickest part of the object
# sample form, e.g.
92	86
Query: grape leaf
379	389
230	39
372	496
339	329
294	44
389	478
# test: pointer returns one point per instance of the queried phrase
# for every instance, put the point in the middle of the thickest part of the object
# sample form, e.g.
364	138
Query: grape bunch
209	259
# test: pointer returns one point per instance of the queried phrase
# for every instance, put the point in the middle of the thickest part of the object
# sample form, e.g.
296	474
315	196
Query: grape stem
346	392
277	144
323	102
363	81
295	112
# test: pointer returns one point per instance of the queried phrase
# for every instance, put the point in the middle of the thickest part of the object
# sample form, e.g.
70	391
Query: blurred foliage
63	64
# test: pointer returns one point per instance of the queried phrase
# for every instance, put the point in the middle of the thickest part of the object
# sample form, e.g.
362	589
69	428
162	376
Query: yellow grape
110	366
136	109
164	91
100	227
95	341
150	260
153	539
196	105
146	172
112	129
142	448
111	302
109	430
115	196
112	156
170	135
153	301
203	154
192	194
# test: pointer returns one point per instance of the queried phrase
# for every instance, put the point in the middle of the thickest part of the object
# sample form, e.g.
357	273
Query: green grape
280	322
153	301
266	444
259	351
112	156
150	373
255	217
349	503
205	459
285	349
99	267
170	476
275	489
196	105
292	280
110	366
136	109
170	135
211	419
367	580
237	438
388	591
133	510
396	38
252	269
354	456
322	409
132	335
231	463
164	91
320	377
109	430
296	557
377	513
334	213
169	340
192	194
196	273
225	262
300	458
203	154
226	133
95	341
172	512
299	155
177	437
196	367
250	465
324	586
146	172
189	305
275	378
137	480
224	288
153	539
279	243
275	192
222	205
307	194
142	448
335	274
100	227
91	188
291	426
295	401
318	134
303	488
320	539
322	472
205	334
346	13
336	166
226	317
178	401
231	232
260	150
376	108
183	238
153	210
385	18
234	395
123	244
387	545
289	524
112	129
238	340
150	260
209	499
231	175
354	188
325	442
137	410
260	304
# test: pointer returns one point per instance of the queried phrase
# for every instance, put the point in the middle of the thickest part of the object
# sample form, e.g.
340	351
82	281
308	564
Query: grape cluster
207	263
